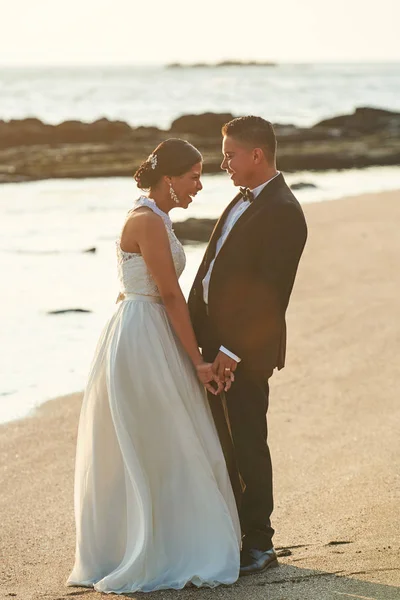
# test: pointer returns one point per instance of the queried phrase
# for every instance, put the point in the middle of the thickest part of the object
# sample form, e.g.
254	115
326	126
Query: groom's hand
224	367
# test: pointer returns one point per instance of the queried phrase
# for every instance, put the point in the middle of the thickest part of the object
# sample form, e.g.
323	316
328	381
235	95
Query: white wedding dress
154	506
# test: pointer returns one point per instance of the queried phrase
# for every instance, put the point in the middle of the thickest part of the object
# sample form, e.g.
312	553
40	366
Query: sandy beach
334	426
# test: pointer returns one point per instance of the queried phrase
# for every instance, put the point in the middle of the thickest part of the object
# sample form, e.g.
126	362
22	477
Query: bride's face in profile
186	186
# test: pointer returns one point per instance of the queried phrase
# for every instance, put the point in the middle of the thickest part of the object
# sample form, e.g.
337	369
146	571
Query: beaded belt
143	298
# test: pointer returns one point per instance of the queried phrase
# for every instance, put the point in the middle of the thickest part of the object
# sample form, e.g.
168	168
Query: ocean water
301	94
44	228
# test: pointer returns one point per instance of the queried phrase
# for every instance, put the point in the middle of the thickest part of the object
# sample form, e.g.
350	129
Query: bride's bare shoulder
141	225
142	217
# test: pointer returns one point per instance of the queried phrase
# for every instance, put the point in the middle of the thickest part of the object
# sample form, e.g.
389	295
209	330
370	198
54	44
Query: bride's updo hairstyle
173	157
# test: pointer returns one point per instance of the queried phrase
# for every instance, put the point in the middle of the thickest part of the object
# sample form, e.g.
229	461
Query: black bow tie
247	194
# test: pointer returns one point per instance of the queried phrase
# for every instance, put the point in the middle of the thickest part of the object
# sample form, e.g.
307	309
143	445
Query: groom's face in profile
238	161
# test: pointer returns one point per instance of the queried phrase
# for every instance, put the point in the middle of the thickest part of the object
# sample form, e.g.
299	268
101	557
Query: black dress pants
240	416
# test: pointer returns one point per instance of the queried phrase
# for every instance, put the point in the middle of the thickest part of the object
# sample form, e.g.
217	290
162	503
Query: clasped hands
219	375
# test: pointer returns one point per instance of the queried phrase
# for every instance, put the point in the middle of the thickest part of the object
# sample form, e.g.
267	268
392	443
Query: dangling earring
173	195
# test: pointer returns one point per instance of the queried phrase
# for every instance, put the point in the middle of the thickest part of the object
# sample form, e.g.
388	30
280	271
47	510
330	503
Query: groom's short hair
255	131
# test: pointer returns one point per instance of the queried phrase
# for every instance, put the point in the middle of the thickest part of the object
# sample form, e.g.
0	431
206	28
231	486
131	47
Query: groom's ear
258	156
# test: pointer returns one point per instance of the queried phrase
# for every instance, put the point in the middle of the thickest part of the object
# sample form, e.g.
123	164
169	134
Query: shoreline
193	232
334	421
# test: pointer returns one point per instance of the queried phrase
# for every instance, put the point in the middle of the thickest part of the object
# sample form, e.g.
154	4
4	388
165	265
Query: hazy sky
158	31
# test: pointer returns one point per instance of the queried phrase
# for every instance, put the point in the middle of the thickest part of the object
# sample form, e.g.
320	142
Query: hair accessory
153	160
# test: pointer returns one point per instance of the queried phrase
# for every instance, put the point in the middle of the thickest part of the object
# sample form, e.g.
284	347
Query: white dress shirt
235	213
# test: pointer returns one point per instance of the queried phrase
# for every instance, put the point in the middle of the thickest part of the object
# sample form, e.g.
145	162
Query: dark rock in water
302	185
206	124
90	250
68	310
365	120
194	230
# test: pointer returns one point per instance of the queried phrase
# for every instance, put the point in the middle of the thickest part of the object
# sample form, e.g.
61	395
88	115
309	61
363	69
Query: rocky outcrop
207	124
30	149
33	132
364	121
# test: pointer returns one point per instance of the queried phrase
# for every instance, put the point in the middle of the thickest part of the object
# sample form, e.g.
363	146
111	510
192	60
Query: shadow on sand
286	583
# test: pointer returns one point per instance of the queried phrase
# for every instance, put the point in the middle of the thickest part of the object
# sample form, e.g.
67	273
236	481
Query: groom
237	305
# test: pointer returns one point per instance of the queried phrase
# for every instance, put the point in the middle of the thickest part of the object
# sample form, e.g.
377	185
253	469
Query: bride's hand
206	376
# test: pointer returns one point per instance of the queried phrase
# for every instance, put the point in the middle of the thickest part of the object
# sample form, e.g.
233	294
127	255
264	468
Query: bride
154	507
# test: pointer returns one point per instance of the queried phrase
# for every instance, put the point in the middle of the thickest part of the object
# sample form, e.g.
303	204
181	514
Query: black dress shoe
257	561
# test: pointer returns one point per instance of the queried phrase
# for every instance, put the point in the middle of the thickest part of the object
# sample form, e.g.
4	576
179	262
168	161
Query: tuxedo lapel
258	203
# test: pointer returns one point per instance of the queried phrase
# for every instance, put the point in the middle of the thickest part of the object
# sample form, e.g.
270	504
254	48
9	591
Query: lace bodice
133	274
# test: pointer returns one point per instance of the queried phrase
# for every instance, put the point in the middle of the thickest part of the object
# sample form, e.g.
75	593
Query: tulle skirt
154	506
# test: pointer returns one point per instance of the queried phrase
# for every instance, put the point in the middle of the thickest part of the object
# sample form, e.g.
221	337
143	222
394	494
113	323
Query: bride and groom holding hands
173	479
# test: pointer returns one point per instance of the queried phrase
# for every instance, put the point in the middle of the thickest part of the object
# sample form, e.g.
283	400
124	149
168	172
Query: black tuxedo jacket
252	280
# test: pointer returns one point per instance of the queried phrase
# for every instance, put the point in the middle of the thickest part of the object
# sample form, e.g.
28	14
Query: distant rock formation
224	63
244	63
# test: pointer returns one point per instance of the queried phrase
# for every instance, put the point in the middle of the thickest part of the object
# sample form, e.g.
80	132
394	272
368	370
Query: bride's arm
150	234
